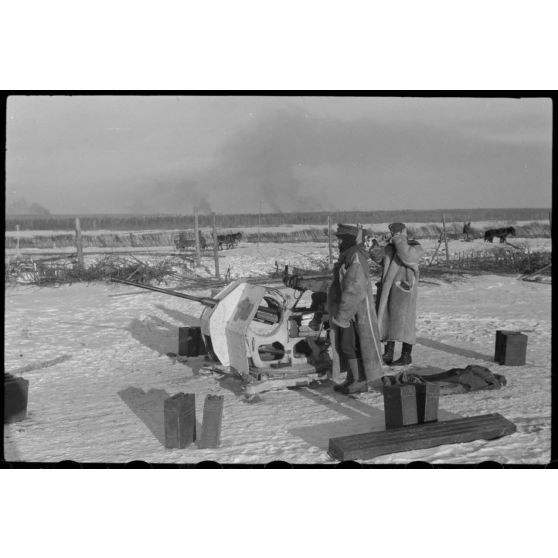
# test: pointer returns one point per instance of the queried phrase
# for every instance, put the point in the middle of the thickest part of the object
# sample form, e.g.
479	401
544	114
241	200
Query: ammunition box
211	425
428	395
511	348
190	341
400	405
15	398
180	420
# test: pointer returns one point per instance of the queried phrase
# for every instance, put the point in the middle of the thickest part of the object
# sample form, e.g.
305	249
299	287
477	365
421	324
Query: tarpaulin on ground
470	378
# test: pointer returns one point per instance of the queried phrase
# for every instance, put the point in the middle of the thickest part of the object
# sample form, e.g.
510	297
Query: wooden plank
420	436
212	418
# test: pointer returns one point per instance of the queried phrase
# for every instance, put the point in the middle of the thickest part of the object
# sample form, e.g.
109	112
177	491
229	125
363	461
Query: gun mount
255	332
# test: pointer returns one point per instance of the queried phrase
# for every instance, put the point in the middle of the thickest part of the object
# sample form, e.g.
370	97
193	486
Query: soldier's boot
359	385
348	380
405	357
316	321
387	357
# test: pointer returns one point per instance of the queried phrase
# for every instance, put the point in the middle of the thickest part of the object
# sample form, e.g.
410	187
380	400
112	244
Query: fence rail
146	239
510	261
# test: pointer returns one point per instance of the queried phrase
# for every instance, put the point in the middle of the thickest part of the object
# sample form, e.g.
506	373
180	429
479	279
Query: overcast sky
142	154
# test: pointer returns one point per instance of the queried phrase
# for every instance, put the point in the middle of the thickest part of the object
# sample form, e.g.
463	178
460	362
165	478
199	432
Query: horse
502	234
228	240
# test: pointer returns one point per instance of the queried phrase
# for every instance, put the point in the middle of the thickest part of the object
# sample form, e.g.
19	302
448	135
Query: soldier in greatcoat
396	298
350	303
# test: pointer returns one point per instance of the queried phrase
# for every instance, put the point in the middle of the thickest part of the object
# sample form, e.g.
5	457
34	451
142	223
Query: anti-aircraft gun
256	332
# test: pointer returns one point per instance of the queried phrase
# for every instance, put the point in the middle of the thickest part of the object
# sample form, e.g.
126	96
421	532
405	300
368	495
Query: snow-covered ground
103	401
259	259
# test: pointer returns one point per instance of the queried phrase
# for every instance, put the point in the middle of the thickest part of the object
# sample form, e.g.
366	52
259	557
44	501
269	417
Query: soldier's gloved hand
294	282
339	323
289	281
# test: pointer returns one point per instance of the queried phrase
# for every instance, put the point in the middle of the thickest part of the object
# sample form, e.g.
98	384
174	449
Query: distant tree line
173	222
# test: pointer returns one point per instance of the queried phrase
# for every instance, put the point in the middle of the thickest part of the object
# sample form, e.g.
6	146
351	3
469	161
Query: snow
477	225
104	402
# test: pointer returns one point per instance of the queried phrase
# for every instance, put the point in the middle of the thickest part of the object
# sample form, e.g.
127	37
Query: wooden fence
510	261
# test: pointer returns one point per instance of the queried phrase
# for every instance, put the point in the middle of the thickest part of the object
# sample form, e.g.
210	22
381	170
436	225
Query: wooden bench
420	436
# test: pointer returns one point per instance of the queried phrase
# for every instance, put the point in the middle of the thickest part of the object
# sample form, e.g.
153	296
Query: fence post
215	248
197	236
17	240
329	240
259	223
435	251
445	239
79	244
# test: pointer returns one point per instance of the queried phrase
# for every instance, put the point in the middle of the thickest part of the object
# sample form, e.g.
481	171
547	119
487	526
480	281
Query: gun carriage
259	334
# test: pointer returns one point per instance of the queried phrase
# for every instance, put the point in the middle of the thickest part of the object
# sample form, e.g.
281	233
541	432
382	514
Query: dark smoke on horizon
296	161
265	157
170	195
258	164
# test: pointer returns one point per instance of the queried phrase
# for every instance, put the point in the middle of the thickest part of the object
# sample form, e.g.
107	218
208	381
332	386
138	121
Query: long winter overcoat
396	304
350	298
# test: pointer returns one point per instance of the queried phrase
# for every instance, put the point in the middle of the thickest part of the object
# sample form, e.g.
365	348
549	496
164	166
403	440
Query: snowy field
477	225
259	259
102	400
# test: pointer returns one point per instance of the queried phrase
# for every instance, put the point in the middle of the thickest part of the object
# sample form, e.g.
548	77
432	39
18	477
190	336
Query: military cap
347	230
396	227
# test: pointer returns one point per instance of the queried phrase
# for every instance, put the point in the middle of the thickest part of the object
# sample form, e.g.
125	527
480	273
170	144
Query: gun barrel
263	314
206	301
